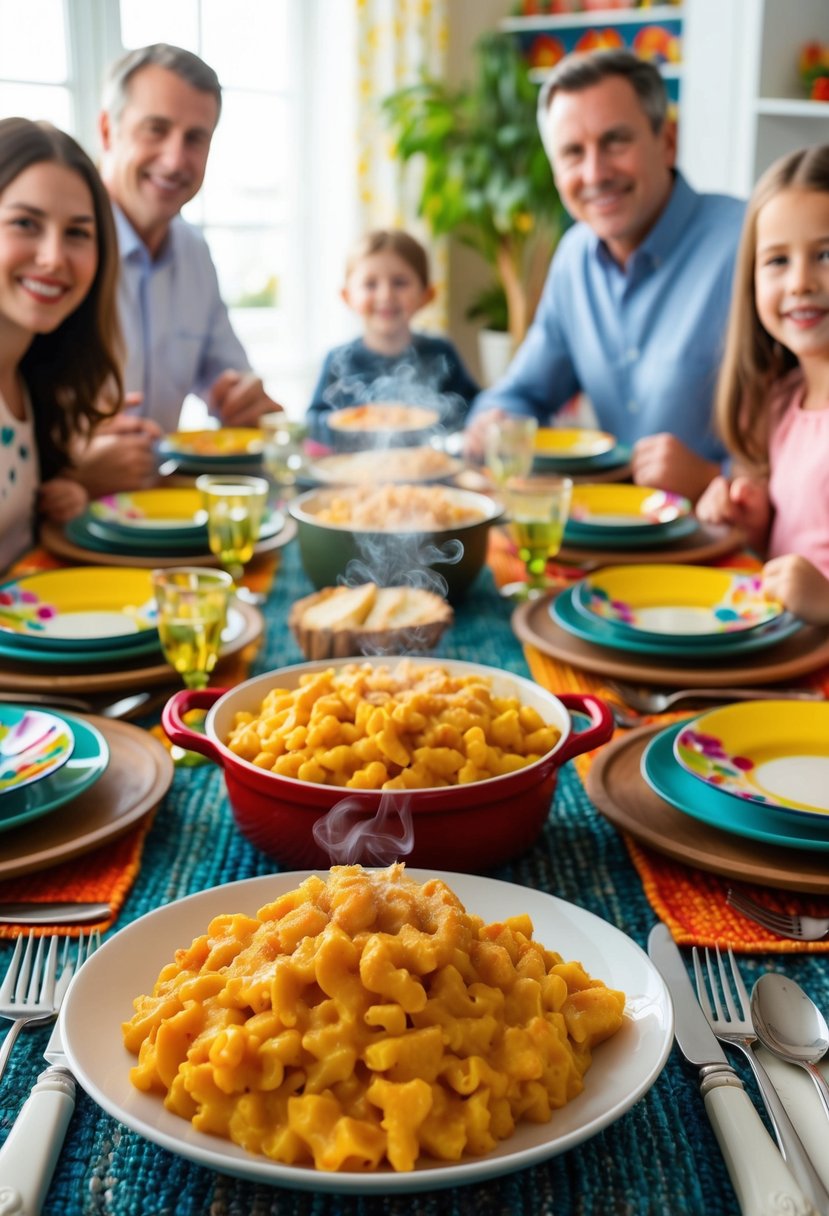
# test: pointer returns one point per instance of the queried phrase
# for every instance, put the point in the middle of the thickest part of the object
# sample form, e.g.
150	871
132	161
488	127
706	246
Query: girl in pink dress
772	405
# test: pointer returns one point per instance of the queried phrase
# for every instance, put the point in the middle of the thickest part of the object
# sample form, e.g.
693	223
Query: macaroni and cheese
367	1020
413	726
388	416
396	508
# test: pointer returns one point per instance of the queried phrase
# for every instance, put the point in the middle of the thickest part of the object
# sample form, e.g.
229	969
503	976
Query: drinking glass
283	454
509	446
192	612
537	510
234	507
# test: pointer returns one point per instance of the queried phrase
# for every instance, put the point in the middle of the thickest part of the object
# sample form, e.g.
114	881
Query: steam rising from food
348	837
414	385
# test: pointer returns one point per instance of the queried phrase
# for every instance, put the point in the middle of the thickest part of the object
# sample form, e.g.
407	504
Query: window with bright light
53	58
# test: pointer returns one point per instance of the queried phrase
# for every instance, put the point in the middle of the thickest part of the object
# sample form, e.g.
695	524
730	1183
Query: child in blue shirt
386	283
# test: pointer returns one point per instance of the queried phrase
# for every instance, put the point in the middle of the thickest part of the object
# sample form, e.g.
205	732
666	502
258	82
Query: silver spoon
789	1023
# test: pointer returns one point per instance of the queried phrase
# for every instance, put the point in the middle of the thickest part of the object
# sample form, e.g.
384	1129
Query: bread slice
341	621
340	607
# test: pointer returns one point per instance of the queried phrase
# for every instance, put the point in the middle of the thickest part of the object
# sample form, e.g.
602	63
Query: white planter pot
495	350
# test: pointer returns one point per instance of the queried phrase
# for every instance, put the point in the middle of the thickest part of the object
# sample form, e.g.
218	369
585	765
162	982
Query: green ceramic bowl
333	552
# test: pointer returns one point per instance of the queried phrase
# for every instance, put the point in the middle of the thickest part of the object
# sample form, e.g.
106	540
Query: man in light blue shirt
161	107
634	309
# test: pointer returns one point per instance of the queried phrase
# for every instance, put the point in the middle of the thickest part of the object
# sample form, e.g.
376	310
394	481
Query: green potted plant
486	178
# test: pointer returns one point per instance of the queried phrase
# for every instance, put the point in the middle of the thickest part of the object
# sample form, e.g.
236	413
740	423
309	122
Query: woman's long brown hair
73	374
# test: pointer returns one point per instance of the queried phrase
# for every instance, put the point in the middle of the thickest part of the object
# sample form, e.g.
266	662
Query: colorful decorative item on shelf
539	8
545	52
607	39
657	44
813	66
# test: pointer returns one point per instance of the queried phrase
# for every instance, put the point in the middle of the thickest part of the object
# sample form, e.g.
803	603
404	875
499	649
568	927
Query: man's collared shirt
177	333
643	342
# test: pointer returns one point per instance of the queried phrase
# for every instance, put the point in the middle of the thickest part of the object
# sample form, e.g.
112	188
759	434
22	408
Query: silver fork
730	1019
648	701
801	928
30	1152
27	993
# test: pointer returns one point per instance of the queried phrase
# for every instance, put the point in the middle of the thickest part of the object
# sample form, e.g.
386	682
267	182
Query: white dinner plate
623	1068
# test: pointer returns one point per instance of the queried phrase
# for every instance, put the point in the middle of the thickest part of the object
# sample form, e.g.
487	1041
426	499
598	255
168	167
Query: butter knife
32	1147
760	1177
65	912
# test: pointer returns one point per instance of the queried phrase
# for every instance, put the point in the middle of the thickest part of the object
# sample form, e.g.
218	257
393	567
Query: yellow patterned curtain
397	40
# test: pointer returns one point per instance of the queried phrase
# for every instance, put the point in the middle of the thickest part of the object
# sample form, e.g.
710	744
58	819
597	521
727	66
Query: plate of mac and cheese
374	1031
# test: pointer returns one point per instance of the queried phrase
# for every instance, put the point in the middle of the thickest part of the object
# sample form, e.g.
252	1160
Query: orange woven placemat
106	874
102	876
691	902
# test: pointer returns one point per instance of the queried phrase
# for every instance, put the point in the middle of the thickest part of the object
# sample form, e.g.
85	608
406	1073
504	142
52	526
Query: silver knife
760	1176
30	1153
53	913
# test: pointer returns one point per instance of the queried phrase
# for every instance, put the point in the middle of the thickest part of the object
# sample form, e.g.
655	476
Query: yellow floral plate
772	752
674	601
225	447
572	443
623	506
79	607
171	511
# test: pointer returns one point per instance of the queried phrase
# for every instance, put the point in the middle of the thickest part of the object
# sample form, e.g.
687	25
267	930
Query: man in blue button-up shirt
161	108
635	304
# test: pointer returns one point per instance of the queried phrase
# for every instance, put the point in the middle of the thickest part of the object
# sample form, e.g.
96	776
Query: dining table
659	1157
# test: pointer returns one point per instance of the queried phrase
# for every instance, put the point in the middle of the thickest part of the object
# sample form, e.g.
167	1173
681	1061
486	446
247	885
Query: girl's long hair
73	374
754	361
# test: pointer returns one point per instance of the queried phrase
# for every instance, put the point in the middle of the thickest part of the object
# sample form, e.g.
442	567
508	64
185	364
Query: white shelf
610	16
791	107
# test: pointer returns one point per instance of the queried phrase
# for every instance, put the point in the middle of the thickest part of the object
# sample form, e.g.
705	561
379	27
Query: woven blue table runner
660	1157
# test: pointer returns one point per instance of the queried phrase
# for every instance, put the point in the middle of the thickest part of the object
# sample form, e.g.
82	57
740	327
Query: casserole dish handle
177	730
598	732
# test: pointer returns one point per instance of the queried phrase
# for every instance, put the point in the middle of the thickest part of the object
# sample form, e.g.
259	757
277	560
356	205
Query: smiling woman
58	369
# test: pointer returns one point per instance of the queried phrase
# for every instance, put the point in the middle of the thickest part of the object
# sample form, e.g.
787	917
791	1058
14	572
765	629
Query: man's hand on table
119	456
663	461
239	399
474	432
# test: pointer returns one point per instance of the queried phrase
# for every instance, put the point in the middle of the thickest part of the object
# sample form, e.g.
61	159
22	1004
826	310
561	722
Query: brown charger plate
616	787
54	540
137	777
74	677
709	541
794	656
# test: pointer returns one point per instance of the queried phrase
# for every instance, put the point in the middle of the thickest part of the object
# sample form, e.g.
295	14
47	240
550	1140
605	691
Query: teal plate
92	534
615	458
80	649
641	536
720	810
209	464
581	623
78	532
87	763
142	543
149	647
